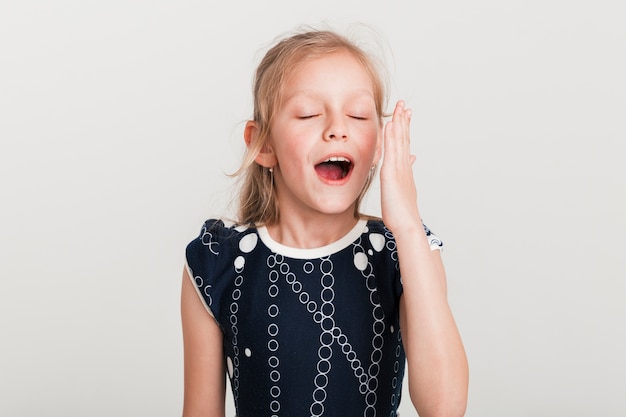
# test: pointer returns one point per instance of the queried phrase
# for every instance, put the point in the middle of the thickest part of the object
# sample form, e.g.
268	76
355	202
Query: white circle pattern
272	331
324	315
234	308
207	240
369	385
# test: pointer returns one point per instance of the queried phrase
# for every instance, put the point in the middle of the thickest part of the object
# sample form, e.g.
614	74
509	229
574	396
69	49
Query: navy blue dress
307	332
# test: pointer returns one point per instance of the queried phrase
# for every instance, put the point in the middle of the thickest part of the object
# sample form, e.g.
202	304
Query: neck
311	231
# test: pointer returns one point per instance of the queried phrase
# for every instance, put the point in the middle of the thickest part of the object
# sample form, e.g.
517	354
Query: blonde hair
257	199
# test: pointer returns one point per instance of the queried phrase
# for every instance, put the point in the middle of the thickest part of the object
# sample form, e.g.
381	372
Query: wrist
409	230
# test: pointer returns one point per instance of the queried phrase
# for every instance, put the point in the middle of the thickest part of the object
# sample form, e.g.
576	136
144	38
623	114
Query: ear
265	156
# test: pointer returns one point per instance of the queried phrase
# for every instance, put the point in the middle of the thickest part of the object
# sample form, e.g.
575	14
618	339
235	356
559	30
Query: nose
336	129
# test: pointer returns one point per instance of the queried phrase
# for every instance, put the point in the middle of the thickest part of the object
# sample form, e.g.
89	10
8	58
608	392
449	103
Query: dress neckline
312	253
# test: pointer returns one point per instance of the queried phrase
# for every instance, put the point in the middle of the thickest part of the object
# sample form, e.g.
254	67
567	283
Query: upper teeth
337	159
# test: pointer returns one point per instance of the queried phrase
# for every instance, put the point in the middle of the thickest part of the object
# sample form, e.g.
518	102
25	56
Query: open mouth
334	168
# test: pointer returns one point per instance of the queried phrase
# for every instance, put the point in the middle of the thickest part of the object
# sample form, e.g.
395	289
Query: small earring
271	170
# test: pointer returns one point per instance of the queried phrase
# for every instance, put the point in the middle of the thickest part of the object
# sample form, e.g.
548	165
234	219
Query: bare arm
205	383
437	364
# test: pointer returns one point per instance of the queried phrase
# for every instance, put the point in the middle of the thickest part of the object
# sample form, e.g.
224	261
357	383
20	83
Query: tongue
329	171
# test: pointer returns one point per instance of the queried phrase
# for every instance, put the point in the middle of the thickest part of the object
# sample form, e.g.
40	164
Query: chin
336	209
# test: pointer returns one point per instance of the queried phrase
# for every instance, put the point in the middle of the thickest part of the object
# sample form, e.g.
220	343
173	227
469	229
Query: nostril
332	136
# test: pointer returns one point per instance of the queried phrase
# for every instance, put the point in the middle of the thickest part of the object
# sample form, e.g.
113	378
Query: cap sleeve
203	265
434	242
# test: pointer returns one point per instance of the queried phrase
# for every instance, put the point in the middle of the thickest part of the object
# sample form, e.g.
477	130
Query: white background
119	120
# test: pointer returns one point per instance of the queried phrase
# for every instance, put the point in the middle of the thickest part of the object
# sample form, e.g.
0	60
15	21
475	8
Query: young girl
310	307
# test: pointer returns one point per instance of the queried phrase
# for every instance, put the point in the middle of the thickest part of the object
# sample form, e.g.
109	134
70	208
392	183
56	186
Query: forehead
334	73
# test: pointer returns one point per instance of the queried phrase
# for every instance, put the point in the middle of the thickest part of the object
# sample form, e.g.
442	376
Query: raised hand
398	192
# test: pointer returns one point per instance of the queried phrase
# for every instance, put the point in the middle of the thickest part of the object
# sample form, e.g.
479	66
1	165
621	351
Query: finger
402	119
400	110
399	113
397	135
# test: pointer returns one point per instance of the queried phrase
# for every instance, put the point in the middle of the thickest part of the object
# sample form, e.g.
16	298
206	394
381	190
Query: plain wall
119	120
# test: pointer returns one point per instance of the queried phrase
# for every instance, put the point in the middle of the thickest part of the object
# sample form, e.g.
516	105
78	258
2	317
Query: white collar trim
312	253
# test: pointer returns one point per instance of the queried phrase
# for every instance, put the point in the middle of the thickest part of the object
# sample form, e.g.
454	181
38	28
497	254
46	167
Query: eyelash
315	115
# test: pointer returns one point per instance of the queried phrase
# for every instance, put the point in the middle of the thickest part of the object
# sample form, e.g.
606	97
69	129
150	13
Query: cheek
290	134
370	137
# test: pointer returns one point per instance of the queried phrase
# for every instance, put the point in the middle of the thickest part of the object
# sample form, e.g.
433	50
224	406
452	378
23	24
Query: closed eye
358	117
308	116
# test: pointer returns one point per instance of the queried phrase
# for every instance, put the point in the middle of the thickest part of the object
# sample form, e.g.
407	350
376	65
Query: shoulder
218	239
209	260
378	241
224	229
216	232
377	226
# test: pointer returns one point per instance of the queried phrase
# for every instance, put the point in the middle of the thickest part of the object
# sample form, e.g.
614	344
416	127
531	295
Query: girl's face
325	136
